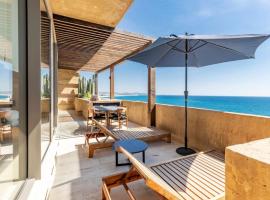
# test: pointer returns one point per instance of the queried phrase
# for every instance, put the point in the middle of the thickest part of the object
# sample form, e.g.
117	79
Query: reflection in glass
46	71
12	121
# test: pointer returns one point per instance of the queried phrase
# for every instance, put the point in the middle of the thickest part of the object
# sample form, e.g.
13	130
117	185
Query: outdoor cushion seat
115	117
99	117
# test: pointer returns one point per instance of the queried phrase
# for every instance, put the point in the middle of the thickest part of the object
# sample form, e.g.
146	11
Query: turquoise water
3	97
246	105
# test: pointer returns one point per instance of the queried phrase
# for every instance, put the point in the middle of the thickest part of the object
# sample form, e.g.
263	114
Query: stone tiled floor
78	177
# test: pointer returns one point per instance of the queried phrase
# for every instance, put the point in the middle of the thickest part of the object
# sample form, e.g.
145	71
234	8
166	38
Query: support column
112	82
151	96
33	71
96	84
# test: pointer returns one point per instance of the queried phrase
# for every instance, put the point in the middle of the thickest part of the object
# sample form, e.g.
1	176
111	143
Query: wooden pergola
91	47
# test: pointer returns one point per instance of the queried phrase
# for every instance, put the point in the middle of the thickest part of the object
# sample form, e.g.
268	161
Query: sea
3	97
244	105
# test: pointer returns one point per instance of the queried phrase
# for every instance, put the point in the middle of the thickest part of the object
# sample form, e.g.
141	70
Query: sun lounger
111	135
198	176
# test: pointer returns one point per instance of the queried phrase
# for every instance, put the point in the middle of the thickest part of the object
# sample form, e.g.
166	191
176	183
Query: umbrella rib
172	47
175	48
192	50
194	45
223	47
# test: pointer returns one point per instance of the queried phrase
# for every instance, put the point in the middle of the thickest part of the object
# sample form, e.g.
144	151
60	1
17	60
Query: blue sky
162	17
5	77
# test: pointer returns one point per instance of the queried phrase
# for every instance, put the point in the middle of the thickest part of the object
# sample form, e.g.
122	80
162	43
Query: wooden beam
151	96
112	82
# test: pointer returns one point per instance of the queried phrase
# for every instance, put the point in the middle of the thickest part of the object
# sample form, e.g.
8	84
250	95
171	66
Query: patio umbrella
197	51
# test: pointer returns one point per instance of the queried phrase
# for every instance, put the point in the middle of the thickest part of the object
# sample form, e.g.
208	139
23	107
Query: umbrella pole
185	150
186	101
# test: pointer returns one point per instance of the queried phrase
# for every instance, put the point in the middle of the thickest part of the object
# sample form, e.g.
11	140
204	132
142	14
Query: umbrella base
185	151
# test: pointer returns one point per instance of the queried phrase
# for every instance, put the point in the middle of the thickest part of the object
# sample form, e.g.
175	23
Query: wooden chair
120	116
197	176
92	114
111	135
89	116
5	129
93	117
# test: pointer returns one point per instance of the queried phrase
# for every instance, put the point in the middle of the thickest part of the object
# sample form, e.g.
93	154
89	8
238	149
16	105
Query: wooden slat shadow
142	133
199	176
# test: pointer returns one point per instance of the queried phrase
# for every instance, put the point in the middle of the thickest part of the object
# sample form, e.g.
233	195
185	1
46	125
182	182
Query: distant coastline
238	104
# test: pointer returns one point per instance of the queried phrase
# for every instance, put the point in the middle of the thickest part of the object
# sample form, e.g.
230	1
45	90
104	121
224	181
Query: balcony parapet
207	129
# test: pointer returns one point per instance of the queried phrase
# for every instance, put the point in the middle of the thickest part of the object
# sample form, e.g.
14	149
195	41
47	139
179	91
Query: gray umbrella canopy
202	50
198	51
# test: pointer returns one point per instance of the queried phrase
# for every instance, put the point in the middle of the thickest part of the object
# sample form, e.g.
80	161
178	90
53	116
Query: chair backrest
122	110
105	130
91	111
106	103
151	179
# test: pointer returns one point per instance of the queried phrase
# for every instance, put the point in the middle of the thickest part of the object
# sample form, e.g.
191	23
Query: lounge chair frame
160	185
142	133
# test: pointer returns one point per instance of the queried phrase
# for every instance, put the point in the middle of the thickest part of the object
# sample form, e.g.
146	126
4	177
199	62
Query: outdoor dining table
107	110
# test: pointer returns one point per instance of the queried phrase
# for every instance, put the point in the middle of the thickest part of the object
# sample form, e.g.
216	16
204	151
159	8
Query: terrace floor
78	177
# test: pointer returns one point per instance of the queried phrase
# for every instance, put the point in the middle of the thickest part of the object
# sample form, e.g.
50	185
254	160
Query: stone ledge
258	150
248	170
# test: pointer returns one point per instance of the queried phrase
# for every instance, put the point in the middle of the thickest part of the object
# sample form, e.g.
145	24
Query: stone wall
45	105
67	88
207	129
137	112
248	171
81	107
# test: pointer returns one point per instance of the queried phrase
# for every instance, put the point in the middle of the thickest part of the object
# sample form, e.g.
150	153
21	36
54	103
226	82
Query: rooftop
78	177
72	157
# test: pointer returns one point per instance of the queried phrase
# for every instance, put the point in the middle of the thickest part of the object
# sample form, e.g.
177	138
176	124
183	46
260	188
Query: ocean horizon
237	104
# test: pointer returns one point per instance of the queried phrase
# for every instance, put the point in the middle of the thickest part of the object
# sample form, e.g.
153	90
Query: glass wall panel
46	79
13	160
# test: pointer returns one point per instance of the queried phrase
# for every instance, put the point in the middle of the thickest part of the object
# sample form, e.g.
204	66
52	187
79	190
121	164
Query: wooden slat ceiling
86	46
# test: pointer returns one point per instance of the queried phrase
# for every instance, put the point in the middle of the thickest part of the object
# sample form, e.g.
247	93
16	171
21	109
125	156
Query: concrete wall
207	129
211	129
67	88
45	105
137	112
81	106
248	171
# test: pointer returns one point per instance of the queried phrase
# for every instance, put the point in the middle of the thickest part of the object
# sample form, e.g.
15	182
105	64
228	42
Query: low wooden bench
198	176
114	134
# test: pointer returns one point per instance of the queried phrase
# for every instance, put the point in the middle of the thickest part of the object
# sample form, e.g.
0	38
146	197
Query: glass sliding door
48	65
13	145
46	79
